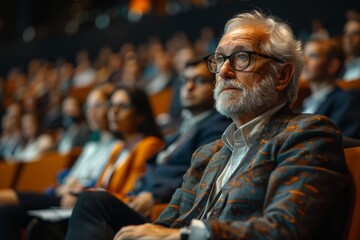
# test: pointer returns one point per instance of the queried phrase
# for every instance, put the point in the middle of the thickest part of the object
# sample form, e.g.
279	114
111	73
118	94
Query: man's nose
226	71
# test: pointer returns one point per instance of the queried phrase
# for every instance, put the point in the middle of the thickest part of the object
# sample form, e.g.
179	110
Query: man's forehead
248	36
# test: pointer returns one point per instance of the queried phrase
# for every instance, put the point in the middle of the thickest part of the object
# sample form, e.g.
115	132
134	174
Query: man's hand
68	200
147	231
142	203
72	185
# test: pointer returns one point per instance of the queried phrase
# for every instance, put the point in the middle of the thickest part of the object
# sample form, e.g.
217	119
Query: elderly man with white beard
271	174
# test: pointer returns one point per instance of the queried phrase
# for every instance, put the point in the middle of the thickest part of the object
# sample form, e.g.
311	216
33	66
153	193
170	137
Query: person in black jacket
324	60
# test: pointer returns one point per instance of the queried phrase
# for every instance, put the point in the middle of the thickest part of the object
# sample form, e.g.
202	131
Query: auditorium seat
352	156
40	174
160	102
354	84
8	173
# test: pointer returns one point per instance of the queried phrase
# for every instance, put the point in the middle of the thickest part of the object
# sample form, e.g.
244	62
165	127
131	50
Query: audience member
318	30
270	175
172	119
131	117
164	73
11	131
52	115
351	42
66	73
95	153
75	132
84	74
33	142
323	62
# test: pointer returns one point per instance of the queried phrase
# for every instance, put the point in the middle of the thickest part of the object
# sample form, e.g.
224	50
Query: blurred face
122	116
315	62
11	120
247	93
71	107
29	126
197	89
96	110
351	39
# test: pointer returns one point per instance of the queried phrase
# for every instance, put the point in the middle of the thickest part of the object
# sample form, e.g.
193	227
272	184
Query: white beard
244	100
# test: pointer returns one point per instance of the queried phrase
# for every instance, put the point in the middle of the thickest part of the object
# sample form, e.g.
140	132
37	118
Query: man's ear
285	76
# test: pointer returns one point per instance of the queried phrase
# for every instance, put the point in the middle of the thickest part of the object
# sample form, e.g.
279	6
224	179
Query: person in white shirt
323	62
351	43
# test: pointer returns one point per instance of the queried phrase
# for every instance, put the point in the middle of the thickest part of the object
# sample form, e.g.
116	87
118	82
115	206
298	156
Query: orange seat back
36	176
160	102
8	173
353	161
346	85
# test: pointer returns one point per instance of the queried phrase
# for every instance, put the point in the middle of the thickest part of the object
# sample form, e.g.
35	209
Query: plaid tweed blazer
290	185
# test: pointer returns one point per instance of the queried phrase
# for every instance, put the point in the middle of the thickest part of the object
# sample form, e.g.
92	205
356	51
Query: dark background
50	17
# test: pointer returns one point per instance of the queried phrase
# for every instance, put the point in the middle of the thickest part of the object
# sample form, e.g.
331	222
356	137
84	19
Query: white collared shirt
239	142
352	69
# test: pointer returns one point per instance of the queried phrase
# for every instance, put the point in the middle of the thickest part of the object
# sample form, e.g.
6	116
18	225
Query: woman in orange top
131	118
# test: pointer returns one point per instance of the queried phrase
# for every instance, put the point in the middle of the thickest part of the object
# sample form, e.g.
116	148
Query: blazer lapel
276	124
212	171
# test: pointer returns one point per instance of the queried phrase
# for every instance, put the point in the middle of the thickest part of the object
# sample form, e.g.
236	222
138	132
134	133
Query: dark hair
140	102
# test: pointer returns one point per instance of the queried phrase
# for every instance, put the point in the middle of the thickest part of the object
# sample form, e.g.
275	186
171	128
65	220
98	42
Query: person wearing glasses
271	174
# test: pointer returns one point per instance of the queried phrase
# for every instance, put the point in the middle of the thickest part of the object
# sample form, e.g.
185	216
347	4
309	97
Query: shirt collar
248	131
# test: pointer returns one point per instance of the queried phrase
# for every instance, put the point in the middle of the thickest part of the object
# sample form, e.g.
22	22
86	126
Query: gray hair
281	43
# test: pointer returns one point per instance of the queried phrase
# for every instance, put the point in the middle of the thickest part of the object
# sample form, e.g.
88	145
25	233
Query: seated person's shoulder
209	149
311	126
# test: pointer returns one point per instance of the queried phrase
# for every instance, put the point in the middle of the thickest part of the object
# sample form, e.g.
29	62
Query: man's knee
94	197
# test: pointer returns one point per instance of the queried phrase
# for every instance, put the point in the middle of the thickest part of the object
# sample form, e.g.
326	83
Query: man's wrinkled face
243	92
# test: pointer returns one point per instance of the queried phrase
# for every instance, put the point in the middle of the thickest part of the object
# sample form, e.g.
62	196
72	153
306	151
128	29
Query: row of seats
352	156
36	175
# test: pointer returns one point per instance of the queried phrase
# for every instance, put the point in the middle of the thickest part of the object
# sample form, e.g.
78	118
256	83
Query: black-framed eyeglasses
239	60
120	106
197	80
